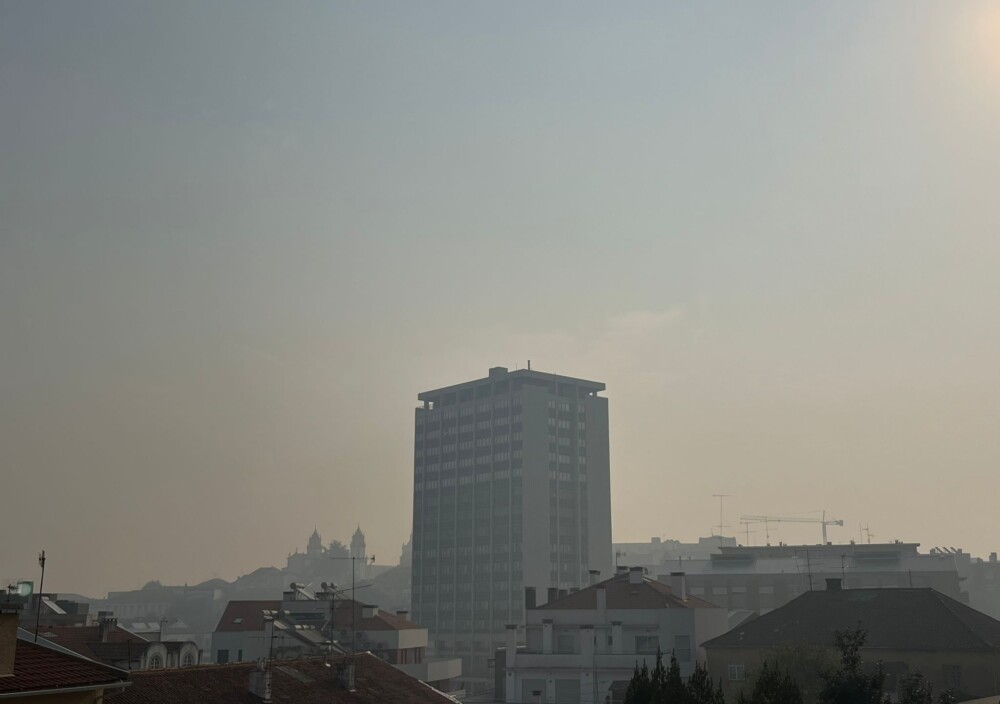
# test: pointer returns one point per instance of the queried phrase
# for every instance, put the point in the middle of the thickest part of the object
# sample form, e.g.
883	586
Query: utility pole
41	590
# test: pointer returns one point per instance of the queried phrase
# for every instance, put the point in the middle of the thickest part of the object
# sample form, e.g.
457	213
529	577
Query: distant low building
981	580
109	643
910	630
659	552
757	579
299	625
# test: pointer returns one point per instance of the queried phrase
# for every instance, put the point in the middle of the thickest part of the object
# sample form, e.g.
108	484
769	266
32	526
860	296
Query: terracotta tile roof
381	621
246	615
307	681
86	640
622	594
896	619
37	667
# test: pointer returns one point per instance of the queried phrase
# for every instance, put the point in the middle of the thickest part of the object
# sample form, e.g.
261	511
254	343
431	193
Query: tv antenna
722	523
368	560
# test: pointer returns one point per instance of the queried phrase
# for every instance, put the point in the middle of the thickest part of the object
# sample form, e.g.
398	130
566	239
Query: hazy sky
238	238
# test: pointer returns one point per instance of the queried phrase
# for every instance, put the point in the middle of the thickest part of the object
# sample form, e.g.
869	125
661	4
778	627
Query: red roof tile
86	640
622	594
37	667
307	681
381	621
246	615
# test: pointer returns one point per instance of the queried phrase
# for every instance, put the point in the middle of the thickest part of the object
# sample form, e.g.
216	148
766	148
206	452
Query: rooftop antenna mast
41	591
722	522
368	559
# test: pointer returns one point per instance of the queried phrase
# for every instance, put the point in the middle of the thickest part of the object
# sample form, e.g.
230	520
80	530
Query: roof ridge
947	602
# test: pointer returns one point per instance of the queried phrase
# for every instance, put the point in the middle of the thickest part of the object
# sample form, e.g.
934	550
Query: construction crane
766	520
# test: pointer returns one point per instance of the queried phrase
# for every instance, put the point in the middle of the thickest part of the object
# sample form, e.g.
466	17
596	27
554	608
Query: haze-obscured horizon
238	238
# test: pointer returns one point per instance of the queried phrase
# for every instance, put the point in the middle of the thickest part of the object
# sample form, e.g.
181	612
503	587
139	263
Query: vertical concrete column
546	635
616	637
511	644
587	644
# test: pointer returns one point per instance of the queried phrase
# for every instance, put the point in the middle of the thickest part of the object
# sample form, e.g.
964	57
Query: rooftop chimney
260	681
343	674
107	625
595	576
529	597
993	557
621	569
10	613
553	594
369	611
678	585
833	584
635	575
403	613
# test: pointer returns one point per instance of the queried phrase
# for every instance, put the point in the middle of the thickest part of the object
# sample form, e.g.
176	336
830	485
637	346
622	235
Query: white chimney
260	681
635	575
678	585
369	611
10	613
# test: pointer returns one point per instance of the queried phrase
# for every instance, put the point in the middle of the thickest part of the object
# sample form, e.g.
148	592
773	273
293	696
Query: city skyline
238	239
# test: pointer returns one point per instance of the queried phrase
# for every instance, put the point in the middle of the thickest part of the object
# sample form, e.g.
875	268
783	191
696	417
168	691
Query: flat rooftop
501	376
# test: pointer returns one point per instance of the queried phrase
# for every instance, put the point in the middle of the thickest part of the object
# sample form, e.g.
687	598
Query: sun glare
985	36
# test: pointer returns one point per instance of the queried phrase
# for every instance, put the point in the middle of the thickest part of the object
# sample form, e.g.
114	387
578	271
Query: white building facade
580	645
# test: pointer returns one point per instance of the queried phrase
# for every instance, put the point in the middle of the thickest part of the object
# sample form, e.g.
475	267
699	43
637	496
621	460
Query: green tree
850	684
670	689
657	679
700	689
771	686
914	689
640	688
804	663
663	685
